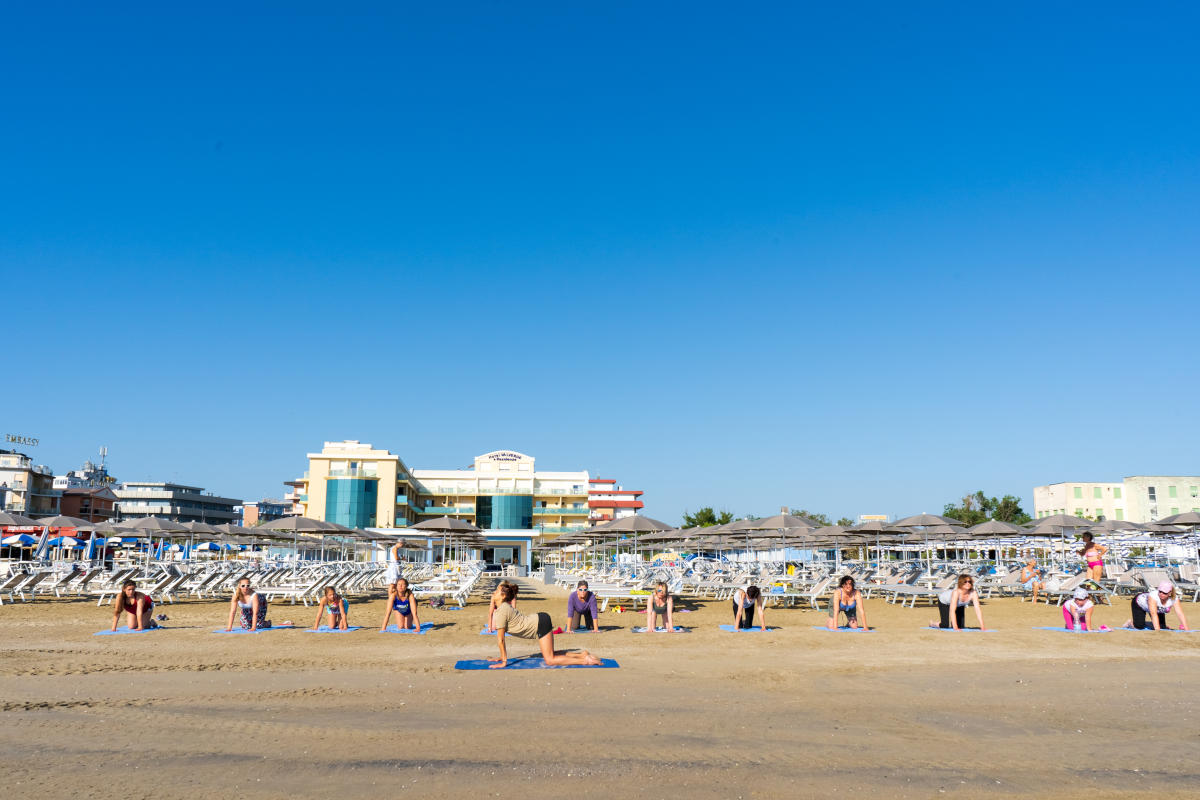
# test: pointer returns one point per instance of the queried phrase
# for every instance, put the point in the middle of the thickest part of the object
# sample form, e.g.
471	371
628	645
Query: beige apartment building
1141	498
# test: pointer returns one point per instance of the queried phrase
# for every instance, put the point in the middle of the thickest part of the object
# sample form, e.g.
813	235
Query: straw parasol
18	521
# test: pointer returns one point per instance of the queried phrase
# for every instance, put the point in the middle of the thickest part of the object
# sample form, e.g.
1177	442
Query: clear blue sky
861	259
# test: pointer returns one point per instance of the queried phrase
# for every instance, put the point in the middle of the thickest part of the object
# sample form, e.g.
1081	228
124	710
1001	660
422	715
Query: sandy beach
902	712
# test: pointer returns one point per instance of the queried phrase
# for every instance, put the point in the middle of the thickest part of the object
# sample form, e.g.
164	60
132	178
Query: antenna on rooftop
103	455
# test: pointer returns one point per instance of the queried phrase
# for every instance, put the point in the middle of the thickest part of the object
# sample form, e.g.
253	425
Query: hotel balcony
562	511
352	473
447	510
401	500
574	491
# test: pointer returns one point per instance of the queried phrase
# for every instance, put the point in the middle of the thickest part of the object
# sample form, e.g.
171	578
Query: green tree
813	515
706	518
978	507
846	522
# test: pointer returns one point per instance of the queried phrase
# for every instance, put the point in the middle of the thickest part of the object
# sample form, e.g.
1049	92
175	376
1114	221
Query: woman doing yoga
137	605
661	604
957	599
848	600
248	607
745	603
1077	612
1093	554
1161	601
529	626
403	603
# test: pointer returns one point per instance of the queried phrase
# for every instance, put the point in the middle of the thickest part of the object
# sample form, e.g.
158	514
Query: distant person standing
582	611
1093	555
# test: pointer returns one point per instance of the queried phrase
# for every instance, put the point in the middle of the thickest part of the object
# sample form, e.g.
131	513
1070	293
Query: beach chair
9	587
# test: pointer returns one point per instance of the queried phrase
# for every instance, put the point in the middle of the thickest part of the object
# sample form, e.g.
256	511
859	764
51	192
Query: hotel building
354	484
137	499
1141	498
27	488
607	501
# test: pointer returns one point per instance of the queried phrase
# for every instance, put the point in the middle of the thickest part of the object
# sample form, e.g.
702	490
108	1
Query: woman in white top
745	603
248	607
1078	611
958	598
1163	600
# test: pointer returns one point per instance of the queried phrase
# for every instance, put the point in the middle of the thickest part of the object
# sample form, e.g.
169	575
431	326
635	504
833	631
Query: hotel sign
873	517
13	438
504	455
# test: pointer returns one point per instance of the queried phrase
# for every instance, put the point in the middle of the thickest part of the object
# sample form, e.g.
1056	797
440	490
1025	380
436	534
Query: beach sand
797	712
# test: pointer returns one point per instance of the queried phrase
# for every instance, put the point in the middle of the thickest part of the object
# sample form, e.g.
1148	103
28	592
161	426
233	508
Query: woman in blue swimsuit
848	600
403	603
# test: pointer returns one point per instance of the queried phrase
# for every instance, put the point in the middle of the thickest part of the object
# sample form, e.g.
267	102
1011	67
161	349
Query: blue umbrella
18	540
64	541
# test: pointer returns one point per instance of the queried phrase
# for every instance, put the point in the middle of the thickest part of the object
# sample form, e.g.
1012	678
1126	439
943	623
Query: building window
1195	490
1120	513
1116	493
1078	492
1174	511
1150	491
1171	492
1096	493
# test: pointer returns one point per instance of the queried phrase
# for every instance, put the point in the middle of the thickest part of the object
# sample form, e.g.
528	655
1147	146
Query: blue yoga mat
486	632
1151	630
960	630
532	662
755	629
260	630
327	629
1065	630
123	631
843	630
578	630
426	627
661	629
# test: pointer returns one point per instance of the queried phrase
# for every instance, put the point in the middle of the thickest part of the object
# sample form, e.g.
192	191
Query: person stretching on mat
403	603
1164	600
581	609
1093	554
958	598
491	627
1031	578
529	626
137	605
661	604
338	608
248	606
745	603
848	600
1078	611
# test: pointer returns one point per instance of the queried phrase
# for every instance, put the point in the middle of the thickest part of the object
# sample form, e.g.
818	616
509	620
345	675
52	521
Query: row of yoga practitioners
1148	610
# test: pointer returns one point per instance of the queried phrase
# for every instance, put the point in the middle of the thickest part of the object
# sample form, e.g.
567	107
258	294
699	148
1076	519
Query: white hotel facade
1141	498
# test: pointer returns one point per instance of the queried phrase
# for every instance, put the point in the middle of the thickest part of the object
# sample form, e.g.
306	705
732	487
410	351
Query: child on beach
137	605
403	603
338	608
1078	611
538	626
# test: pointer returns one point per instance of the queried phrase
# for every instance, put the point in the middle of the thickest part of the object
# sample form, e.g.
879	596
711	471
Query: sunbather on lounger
1031	578
248	607
848	600
137	605
338	608
660	605
403	603
1164	601
958	598
529	626
1077	612
581	609
745	602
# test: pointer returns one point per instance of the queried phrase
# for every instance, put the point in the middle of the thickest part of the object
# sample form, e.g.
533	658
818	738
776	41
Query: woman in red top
137	605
